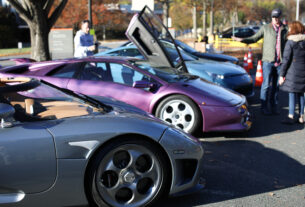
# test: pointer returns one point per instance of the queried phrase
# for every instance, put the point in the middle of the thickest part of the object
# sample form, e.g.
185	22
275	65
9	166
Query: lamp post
90	12
297	10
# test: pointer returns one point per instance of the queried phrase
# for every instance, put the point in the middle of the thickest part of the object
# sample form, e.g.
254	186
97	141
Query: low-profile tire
130	172
180	111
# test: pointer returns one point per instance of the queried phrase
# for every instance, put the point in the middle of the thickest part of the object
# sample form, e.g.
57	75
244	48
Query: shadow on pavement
239	168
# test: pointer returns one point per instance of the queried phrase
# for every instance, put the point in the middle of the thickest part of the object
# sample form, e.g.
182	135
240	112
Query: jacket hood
296	38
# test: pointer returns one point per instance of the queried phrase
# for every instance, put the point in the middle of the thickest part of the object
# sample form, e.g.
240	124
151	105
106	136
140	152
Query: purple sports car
181	99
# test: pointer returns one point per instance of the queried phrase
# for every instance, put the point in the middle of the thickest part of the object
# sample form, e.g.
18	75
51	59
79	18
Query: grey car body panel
27	159
189	150
79	143
67	191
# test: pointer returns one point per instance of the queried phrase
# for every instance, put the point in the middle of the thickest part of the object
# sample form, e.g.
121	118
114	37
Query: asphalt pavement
264	167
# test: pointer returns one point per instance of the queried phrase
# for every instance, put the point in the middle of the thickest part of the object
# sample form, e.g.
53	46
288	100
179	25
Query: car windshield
171	49
46	102
169	75
185	47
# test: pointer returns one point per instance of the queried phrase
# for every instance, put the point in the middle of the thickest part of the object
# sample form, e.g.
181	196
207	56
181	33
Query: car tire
129	172
180	111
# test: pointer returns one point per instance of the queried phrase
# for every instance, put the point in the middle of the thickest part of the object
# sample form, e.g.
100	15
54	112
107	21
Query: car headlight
215	76
243	109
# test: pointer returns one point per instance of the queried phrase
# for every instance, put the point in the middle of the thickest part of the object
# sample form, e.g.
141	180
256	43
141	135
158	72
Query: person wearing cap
83	41
274	35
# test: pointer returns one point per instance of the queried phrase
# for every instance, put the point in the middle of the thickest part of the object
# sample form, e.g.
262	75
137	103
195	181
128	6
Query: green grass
12	51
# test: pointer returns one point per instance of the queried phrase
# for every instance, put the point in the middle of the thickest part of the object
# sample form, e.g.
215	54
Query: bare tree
40	19
212	17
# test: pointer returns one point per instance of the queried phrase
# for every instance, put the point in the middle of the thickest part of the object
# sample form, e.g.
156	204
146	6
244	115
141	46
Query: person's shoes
266	112
288	121
301	119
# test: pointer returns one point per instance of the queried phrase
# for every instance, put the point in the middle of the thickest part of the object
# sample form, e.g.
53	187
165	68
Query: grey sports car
58	148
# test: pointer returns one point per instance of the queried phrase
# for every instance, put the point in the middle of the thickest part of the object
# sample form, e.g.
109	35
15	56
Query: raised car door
113	80
146	31
27	160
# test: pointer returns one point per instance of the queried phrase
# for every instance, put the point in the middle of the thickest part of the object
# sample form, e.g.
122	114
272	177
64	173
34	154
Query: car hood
219	57
221	68
212	94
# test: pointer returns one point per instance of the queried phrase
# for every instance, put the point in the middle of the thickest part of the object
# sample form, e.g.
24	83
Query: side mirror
142	84
6	113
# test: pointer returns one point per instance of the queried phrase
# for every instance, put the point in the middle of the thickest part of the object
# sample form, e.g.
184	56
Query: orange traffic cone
259	74
250	59
245	65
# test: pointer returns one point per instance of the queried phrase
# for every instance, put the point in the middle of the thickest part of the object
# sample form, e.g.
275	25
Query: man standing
274	35
83	41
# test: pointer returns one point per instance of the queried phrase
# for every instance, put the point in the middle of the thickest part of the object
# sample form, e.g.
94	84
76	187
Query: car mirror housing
142	84
6	113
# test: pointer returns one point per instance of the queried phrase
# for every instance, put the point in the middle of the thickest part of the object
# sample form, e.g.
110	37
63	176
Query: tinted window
95	71
185	46
166	74
114	53
125	75
131	53
65	71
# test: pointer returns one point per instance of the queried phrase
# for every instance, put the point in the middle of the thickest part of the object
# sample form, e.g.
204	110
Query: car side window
115	53
65	71
131	53
125	75
95	71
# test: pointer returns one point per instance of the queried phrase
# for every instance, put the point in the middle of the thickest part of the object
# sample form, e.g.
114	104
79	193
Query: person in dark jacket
274	35
292	74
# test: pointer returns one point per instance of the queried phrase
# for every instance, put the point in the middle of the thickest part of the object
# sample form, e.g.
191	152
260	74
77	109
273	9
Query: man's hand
281	80
91	48
236	39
